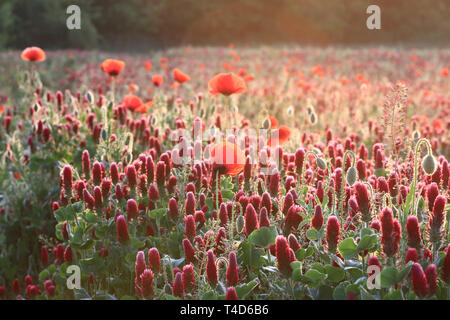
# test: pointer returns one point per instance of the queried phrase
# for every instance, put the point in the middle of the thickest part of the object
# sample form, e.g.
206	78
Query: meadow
225	173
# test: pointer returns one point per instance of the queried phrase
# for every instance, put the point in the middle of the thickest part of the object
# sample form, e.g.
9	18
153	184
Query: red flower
411	255
211	268
231	294
413	230
44	256
34	54
233	270
226	84
173	209
189	204
283	256
363	199
333	233
419	280
390	235
132	102
68	254
132	209
293	219
189	251
280	136
112	67
154	260
317	219
189	228
122	229
178	289
157	80
263	218
188	277
436	220
140	264
15	287
180	76
251	220
146	281
431	274
227	158
445	273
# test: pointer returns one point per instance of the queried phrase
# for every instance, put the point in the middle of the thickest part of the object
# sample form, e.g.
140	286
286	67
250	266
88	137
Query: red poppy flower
33	54
180	76
444	72
249	78
273	122
226	84
157	80
132	102
148	65
228	158
283	136
112	67
144	107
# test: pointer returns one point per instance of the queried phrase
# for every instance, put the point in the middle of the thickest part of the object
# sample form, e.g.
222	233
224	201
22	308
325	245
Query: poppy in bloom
280	136
34	54
112	67
148	65
227	158
132	102
144	107
157	80
226	84
273	122
180	76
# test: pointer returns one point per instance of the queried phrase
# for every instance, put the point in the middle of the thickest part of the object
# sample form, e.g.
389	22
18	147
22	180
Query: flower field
225	173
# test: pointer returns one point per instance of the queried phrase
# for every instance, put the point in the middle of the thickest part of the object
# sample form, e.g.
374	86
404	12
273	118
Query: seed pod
104	134
240	223
154	121
429	164
90	97
310	110
313	118
416	135
266	124
352	176
290	111
321	163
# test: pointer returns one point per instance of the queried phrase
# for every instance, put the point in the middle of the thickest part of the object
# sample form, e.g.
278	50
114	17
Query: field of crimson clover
225	173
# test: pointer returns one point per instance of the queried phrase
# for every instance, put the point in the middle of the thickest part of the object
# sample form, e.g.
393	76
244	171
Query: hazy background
134	25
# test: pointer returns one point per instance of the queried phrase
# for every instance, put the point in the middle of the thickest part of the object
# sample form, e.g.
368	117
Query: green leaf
367	242
339	291
243	290
335	274
157	213
404	272
312	234
348	248
388	277
263	237
315	275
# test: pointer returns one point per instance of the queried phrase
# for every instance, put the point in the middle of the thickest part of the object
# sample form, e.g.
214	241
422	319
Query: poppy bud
189	224
419	280
231	294
240	224
122	229
321	163
333	233
352	176
154	260
189	251
211	268
429	164
283	256
232	270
